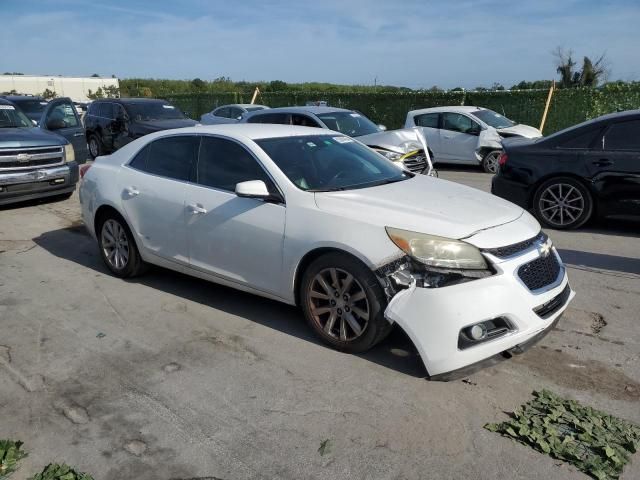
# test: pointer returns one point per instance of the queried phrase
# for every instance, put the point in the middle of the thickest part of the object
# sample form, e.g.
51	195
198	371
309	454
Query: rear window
623	136
581	140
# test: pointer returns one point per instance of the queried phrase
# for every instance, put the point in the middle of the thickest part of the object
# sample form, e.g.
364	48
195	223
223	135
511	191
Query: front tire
562	203
118	248
490	162
344	303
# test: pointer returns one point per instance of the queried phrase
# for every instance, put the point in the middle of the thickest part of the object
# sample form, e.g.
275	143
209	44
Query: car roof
453	108
248	131
242	105
308	109
130	100
4	101
14	98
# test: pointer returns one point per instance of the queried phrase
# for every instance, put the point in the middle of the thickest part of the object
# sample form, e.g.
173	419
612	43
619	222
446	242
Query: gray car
229	113
399	146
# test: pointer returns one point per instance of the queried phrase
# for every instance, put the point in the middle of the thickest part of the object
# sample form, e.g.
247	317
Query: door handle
196	209
603	162
131	191
447	136
78	134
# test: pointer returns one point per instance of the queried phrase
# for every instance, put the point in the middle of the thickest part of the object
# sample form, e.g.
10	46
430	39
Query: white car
467	135
229	113
314	218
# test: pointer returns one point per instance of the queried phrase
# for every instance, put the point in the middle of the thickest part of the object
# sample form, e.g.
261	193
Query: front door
61	117
614	166
152	191
240	239
457	144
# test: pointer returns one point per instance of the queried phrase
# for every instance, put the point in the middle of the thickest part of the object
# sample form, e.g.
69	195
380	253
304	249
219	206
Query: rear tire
95	146
344	303
562	203
490	162
118	248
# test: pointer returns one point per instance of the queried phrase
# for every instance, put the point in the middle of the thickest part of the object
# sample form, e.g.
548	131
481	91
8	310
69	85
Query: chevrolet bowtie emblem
23	157
544	249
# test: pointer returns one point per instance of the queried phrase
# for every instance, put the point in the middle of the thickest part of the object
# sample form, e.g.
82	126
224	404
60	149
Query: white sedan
316	219
467	135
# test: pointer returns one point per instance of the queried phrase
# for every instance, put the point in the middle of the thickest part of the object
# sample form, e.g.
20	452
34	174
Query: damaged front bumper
436	319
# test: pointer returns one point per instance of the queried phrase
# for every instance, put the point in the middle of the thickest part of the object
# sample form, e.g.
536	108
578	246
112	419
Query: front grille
26	158
540	272
515	248
416	163
552	306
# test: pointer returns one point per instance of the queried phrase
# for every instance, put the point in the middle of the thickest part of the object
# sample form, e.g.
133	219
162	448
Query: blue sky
415	43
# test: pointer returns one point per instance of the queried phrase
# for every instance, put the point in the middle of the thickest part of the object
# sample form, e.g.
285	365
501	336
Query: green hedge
568	107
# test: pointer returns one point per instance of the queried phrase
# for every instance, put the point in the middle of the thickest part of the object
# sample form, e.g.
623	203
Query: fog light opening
478	332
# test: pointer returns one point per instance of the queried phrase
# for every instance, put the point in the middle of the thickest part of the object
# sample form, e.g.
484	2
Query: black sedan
566	178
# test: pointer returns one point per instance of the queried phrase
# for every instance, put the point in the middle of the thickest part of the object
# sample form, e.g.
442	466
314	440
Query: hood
29	137
422	204
157	125
402	141
521	131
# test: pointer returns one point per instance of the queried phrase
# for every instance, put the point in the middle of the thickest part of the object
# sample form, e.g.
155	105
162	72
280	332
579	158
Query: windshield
321	163
11	117
350	123
149	111
493	119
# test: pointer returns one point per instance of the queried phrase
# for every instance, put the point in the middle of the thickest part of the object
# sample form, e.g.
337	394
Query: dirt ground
170	377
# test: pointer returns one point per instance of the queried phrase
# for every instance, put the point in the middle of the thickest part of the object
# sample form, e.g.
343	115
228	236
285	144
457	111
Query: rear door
61	117
614	165
457	144
240	239
153	189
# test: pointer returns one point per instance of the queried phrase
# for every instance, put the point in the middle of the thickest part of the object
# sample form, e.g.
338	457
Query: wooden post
546	107
255	95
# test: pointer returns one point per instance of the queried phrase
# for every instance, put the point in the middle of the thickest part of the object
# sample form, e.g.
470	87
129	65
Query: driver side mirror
256	189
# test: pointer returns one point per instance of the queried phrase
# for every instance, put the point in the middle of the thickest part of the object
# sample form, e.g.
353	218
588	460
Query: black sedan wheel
563	203
344	303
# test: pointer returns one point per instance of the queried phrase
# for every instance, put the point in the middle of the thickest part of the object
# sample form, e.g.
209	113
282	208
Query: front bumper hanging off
434	317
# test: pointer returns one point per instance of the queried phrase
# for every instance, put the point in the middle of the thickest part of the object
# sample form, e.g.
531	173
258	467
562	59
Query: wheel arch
309	258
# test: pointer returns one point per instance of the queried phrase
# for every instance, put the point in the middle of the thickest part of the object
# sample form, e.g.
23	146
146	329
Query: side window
62	116
171	157
281	118
223	164
235	113
427	120
222	112
105	110
92	109
581	140
458	123
303	121
623	136
118	111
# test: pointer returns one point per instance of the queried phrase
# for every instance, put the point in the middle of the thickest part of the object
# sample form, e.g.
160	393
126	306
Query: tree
277	86
198	84
497	86
48	94
590	74
95	95
95	75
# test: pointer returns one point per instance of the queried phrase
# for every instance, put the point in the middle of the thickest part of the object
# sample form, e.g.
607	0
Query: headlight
437	251
69	153
393	156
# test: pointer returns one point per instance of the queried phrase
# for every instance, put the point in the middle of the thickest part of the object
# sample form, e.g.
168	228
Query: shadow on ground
73	244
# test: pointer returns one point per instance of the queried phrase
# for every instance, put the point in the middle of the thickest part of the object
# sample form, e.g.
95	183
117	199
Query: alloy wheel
93	147
339	304
491	161
115	244
561	204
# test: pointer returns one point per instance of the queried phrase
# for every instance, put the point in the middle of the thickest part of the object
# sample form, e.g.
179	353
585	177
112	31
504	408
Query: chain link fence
568	107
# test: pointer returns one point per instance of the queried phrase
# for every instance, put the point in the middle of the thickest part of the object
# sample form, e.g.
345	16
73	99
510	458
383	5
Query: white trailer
75	88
